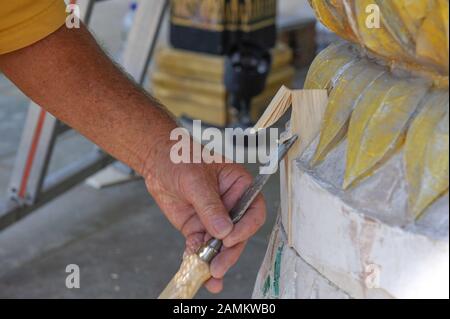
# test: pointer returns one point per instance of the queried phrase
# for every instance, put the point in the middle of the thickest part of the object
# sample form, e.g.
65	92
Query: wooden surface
191	84
308	109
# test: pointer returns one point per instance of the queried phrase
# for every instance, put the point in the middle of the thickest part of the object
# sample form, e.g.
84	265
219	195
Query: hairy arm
68	74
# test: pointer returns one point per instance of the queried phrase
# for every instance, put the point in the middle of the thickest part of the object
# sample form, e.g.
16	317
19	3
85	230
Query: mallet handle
188	280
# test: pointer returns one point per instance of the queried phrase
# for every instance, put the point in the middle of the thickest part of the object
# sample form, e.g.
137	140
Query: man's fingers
214	285
225	260
253	219
209	207
192	225
231	196
193	243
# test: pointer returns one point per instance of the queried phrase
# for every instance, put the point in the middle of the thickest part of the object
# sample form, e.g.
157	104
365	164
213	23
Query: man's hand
197	198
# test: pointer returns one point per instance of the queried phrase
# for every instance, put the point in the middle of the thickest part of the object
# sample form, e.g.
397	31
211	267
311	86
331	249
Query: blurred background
109	226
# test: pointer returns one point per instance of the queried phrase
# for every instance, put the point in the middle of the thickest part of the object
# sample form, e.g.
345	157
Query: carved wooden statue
365	202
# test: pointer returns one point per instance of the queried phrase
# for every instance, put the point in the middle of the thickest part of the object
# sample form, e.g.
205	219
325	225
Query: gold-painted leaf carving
377	39
328	65
433	35
379	123
331	13
342	100
427	153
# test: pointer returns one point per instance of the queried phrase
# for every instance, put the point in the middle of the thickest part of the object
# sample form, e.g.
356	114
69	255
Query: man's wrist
156	149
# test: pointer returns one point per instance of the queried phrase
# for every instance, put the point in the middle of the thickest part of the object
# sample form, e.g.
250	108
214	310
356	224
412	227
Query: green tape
266	286
277	271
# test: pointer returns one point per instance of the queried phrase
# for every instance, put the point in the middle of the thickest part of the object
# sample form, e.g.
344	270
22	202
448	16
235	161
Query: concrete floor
118	236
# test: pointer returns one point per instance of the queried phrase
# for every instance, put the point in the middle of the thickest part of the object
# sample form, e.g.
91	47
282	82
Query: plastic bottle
127	23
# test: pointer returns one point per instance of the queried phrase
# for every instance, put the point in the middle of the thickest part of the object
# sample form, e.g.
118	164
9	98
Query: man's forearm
71	77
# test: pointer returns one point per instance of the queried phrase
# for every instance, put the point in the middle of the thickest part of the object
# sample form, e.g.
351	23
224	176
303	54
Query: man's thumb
212	212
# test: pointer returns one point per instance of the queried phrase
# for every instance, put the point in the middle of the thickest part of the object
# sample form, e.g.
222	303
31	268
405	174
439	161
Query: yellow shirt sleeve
24	22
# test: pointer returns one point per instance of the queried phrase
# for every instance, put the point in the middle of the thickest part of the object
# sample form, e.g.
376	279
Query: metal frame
30	187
